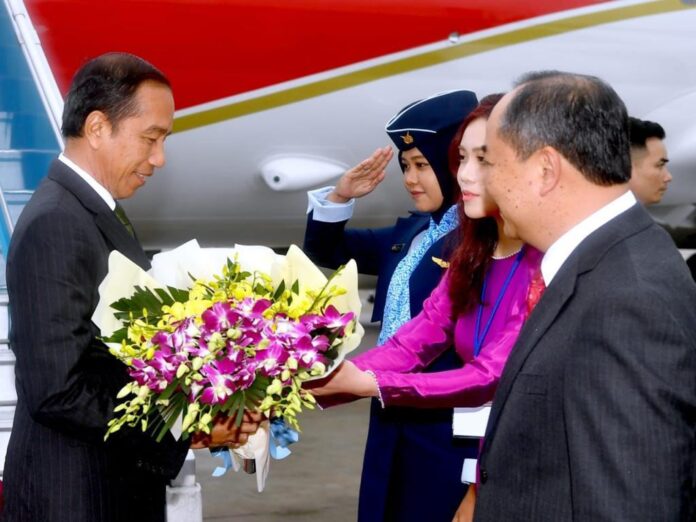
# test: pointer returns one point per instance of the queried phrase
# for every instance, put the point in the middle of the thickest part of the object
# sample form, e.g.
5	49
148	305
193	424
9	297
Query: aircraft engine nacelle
288	173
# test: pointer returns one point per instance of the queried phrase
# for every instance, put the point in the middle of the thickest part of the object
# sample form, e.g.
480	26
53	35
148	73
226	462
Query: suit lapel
583	259
107	222
122	241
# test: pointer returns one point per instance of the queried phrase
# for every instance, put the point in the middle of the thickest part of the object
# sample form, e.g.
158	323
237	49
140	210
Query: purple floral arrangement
239	340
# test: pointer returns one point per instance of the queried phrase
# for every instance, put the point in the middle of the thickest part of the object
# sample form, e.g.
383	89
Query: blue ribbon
224	454
282	436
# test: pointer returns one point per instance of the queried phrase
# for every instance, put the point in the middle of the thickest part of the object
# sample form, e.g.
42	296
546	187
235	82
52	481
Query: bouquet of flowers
213	332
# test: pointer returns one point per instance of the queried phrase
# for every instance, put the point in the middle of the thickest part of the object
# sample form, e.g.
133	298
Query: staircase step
8	36
6	418
16	201
7	32
19	92
23	130
24	169
4	328
8	394
3	284
12	60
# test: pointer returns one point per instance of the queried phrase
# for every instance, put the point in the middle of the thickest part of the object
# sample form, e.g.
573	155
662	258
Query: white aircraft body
238	166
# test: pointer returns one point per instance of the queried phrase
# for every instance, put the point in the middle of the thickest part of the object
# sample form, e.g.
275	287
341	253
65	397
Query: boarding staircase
28	142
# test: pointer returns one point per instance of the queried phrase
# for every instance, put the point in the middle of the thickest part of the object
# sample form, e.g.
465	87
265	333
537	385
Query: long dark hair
477	237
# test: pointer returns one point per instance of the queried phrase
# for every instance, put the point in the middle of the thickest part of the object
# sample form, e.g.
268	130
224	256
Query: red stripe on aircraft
214	49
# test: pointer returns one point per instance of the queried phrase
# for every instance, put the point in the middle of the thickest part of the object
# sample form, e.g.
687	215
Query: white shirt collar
98	187
561	249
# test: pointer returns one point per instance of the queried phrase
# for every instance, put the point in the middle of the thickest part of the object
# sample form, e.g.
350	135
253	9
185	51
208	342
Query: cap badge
408	139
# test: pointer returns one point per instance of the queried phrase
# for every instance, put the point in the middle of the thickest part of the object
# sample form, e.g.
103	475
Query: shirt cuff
379	391
327	211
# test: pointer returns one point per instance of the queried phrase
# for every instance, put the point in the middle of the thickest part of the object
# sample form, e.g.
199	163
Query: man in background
649	174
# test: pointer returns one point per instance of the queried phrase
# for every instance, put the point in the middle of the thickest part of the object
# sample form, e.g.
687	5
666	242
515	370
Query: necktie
535	290
121	215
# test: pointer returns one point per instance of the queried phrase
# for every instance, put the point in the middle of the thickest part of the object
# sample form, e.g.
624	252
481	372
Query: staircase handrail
7	226
6	213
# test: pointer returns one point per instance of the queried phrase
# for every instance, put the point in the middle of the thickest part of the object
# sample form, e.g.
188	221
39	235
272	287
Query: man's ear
550	166
96	128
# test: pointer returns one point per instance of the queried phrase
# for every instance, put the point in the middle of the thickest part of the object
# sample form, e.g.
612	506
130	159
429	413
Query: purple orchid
253	309
306	353
271	359
220	385
146	375
218	317
335	320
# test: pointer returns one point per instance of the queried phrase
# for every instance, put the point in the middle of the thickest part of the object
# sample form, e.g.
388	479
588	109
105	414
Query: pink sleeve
418	342
472	385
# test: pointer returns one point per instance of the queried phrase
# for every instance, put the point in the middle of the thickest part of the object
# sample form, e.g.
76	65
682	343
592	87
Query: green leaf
279	291
167	393
164	297
296	287
240	414
142	298
117	336
172	413
232	404
179	295
332	353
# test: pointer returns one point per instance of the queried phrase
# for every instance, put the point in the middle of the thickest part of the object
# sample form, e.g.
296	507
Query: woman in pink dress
479	307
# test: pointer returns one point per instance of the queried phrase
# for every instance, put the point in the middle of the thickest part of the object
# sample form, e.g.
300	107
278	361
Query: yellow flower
198	291
176	311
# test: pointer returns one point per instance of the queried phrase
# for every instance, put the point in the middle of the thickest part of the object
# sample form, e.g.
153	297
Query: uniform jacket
377	251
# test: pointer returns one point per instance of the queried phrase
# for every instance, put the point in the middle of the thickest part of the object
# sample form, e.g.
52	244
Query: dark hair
477	237
580	116
107	83
640	131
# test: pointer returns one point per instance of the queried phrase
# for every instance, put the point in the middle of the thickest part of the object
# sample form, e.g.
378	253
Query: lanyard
479	337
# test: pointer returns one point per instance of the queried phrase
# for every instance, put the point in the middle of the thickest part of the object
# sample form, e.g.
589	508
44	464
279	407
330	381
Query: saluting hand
363	178
225	432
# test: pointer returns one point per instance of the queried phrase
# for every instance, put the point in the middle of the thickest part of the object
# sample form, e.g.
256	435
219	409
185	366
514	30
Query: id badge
470	422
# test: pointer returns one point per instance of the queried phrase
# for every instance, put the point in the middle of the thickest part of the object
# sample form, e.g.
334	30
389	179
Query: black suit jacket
58	466
595	414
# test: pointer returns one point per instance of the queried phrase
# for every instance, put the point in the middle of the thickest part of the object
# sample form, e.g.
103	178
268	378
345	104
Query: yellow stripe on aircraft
426	59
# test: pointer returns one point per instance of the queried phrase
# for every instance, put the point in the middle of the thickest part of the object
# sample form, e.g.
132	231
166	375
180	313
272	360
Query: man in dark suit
117	115
595	414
